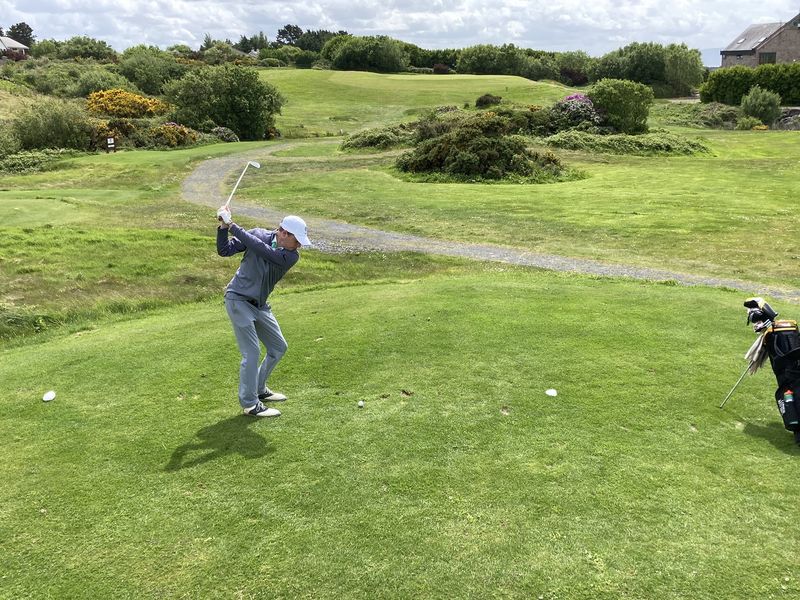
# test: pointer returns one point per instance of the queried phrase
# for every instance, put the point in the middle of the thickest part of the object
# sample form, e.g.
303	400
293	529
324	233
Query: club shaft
233	191
735	386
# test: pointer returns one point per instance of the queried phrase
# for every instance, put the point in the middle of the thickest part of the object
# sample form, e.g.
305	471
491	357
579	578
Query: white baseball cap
297	227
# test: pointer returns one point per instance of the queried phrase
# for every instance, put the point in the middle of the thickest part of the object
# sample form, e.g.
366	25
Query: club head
253	163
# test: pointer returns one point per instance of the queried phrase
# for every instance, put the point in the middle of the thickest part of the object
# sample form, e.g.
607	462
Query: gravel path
209	185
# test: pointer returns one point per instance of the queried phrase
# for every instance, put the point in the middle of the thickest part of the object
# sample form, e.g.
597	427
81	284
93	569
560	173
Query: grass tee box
337	102
459	478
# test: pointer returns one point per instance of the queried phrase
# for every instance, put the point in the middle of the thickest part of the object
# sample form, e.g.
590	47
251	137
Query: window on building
766	58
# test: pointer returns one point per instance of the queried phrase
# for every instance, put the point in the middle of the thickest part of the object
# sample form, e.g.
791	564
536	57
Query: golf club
735	386
251	163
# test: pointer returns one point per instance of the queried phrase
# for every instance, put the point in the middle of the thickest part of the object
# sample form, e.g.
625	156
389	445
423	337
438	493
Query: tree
333	45
227	96
485	59
243	45
257	42
22	33
574	67
645	62
45	48
180	50
372	53
613	65
86	47
315	40
683	69
538	68
208	41
220	52
1	32
288	35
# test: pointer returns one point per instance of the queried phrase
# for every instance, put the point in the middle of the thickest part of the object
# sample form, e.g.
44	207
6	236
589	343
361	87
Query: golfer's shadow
775	434
231	436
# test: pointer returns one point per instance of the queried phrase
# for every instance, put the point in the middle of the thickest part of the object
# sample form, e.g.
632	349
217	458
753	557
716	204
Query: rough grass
459	478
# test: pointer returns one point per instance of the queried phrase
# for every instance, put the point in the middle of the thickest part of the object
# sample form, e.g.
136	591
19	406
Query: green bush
383	137
487	100
650	144
224	134
51	78
696	114
33	160
220	53
86	47
762	104
435	124
52	123
746	123
623	105
9	142
305	59
227	96
478	148
166	135
729	85
572	111
149	68
272	62
95	80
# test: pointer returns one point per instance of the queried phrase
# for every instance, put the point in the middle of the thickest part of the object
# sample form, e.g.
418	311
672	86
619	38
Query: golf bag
780	340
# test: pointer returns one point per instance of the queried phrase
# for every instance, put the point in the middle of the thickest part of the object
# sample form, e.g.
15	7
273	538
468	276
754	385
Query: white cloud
596	27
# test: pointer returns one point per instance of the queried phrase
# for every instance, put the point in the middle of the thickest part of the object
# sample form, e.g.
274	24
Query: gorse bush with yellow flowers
120	103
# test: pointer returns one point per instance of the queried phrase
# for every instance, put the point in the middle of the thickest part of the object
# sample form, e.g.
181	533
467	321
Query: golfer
268	255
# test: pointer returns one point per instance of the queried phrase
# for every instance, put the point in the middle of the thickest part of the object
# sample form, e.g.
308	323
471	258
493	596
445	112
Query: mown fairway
460	478
336	102
726	215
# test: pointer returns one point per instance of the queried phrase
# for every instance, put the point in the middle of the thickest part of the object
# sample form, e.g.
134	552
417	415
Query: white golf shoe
259	410
269	396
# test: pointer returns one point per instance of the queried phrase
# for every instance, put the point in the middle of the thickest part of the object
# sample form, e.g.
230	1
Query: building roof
6	43
753	37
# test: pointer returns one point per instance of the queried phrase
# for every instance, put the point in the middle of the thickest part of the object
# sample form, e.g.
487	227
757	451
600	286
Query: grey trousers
251	325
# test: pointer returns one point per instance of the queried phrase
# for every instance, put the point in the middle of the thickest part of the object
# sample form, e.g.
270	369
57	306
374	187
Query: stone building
764	43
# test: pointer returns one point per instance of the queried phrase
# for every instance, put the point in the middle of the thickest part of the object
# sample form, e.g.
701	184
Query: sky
594	26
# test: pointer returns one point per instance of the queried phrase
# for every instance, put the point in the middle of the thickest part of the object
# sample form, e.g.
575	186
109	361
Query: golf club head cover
224	215
759	311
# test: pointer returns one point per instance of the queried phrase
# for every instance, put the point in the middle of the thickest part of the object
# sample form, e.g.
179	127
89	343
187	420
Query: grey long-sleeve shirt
261	267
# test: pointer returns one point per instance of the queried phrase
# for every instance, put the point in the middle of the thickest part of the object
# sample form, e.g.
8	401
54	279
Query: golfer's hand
224	215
